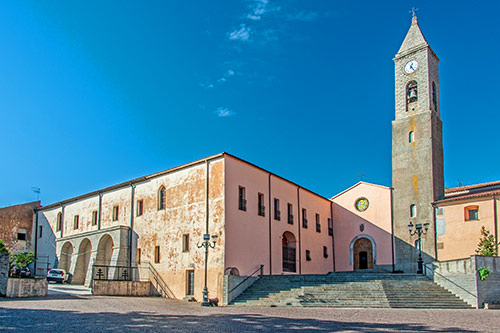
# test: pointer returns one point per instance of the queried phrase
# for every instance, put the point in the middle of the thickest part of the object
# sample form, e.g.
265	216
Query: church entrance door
363	254
288	242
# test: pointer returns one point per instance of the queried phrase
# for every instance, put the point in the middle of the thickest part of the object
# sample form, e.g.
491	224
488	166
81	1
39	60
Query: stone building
16	226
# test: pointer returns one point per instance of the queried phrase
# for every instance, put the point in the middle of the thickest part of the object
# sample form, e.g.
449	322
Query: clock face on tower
411	66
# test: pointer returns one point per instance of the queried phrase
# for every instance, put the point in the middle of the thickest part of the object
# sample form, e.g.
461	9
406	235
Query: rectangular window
325	252
261	208
290	213
21	236
185	243
471	213
308	255
242	202
138	256
40	231
277	212
330	227
440	211
157	254
94	217
140	207
76	221
59	222
115	213
189	283
318	224
304	218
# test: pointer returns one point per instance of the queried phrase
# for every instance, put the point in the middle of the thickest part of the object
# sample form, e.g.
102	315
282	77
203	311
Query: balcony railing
262	211
290	219
277	215
242	205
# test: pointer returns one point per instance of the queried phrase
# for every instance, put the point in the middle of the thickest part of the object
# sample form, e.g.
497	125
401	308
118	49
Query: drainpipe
392	229
333	234
99	212
207	206
270	247
434	210
63	225
495	217
130	232
298	224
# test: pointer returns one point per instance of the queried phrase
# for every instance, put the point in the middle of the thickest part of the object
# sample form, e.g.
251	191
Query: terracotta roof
471	187
471	192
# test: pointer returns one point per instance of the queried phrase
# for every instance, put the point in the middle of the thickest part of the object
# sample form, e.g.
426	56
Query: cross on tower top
361	176
413	12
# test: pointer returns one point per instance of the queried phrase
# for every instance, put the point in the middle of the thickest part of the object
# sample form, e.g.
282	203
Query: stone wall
230	281
461	278
26	287
123	288
4	272
14	219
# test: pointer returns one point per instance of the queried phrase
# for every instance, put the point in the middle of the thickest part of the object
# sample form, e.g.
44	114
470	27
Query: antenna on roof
459	183
36	190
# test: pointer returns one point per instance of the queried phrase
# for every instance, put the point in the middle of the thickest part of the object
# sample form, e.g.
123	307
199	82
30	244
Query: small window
471	213
411	93
318	223
308	255
189	283
185	243
330	227
290	213
242	202
157	254
140	207
115	213
21	236
304	218
277	212
440	245
94	217
413	211
440	211
40	231
138	256
261	207
325	252
59	222
161	198
76	221
434	96
411	137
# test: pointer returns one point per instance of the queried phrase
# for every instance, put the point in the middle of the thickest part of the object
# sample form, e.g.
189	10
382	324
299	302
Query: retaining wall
4	272
123	288
26	287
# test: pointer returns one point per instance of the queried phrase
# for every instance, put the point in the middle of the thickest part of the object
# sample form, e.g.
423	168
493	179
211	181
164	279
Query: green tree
487	245
3	249
23	259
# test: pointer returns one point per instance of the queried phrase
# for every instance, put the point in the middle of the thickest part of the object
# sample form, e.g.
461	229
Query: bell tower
417	149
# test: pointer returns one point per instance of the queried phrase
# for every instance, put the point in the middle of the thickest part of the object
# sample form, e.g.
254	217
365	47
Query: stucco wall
253	240
458	238
375	222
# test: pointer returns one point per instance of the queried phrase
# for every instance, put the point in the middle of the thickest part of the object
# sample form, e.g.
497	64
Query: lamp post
419	229
206	244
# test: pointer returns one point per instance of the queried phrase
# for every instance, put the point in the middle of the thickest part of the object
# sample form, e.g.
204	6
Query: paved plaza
72	310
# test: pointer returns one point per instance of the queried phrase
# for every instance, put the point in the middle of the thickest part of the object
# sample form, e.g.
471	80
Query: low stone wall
123	288
230	281
26	287
461	278
4	273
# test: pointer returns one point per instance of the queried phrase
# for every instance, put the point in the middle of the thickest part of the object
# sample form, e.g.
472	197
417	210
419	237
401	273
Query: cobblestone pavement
70	313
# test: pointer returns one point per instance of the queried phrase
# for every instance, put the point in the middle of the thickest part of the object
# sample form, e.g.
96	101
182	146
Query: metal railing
261	272
160	284
115	273
426	266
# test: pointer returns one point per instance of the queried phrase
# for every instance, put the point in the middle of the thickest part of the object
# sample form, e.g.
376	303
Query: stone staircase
349	290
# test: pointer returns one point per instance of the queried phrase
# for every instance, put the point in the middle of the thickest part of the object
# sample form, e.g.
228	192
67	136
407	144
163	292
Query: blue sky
93	93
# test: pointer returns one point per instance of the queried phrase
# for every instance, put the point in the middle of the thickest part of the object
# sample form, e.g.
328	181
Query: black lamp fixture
419	229
207	243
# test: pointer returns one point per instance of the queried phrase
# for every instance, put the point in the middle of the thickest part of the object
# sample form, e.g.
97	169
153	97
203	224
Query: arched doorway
104	251
66	256
363	253
82	262
289	252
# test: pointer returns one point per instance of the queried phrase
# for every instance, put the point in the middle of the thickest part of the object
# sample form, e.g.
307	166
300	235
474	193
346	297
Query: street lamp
206	244
419	229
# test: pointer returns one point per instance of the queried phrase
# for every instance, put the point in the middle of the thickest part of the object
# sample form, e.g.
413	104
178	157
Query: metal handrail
444	277
159	281
260	269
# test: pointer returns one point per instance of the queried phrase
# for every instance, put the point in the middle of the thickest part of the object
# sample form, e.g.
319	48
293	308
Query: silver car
57	275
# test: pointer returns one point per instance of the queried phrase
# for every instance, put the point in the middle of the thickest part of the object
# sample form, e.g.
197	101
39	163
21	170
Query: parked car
25	272
15	272
57	275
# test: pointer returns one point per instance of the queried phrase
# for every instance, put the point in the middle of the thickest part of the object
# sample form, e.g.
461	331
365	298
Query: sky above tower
93	93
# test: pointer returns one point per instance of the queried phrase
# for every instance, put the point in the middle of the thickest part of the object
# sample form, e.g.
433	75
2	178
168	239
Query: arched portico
104	250
66	256
82	262
363	252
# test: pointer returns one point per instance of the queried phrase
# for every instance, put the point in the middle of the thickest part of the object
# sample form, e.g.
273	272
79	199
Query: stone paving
71	312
